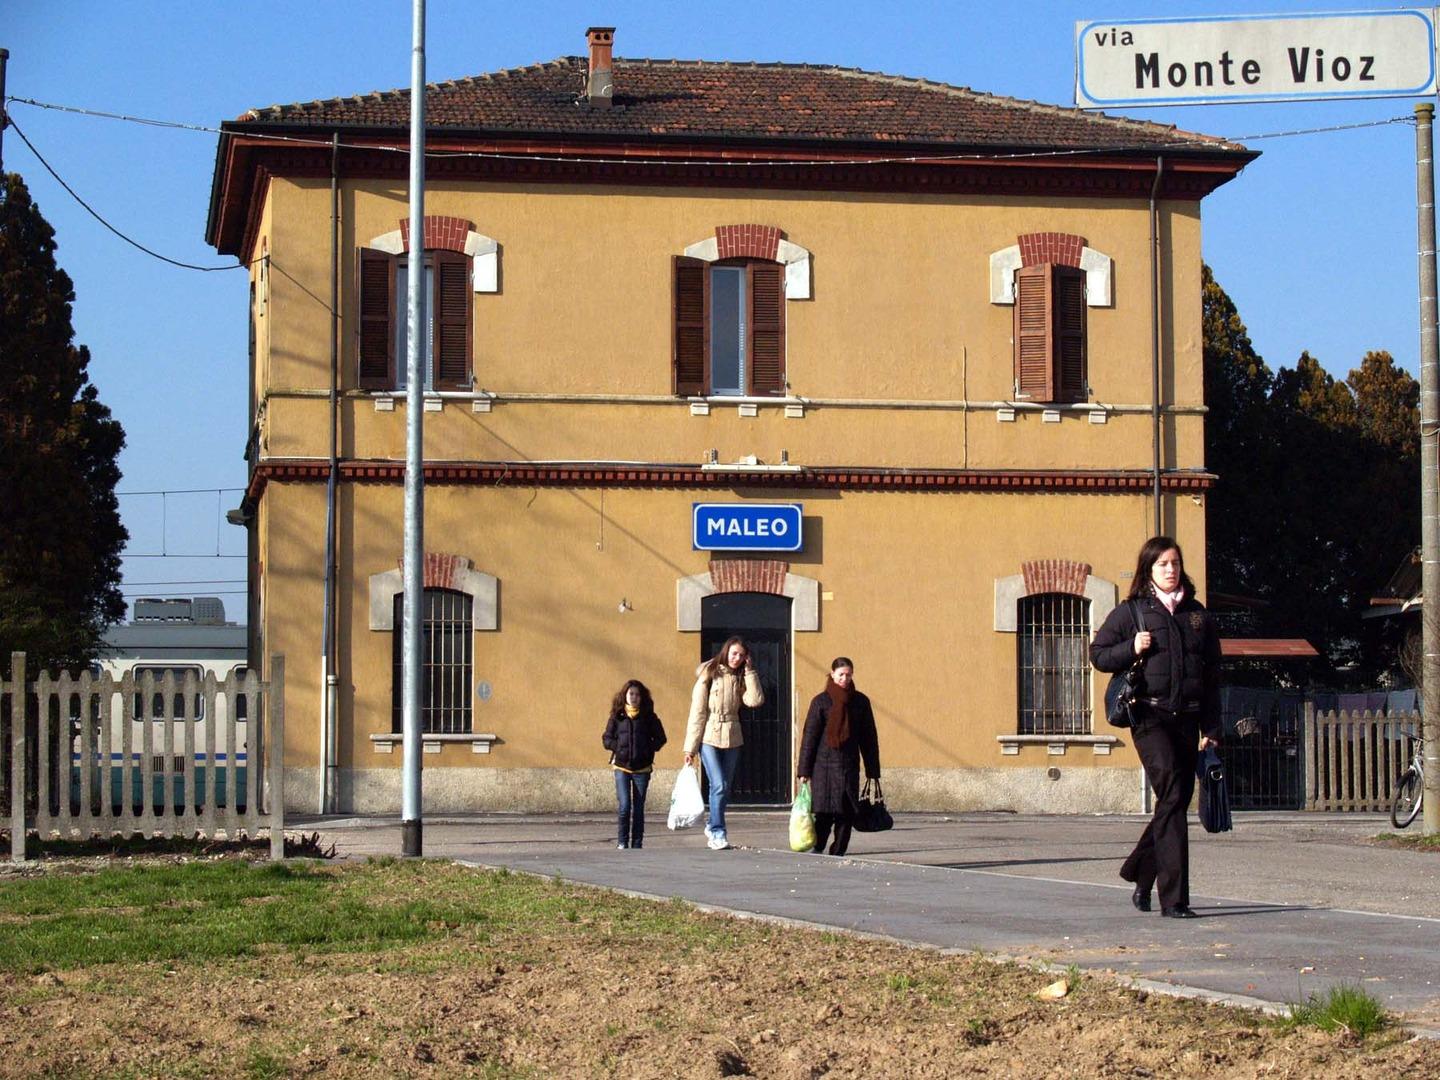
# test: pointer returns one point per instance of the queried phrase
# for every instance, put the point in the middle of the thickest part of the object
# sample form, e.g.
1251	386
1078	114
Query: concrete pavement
1292	903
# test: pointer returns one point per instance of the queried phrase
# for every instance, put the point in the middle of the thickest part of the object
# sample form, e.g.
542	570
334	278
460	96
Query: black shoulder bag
1124	685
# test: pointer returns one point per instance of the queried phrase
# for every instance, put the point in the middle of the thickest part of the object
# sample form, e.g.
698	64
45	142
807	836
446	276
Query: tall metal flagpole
414	568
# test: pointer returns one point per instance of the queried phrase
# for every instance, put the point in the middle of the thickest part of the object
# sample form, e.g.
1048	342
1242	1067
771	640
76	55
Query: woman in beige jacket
722	684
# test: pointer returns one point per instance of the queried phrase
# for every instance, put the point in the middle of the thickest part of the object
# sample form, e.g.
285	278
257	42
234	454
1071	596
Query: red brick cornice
830	478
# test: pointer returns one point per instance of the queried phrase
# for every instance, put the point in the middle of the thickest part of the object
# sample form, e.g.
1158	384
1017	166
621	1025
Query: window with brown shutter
767	329
692	326
1050	346
452	306
377	320
449	336
729	327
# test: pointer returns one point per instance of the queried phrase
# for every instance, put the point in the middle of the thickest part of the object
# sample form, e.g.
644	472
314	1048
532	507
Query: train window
156	711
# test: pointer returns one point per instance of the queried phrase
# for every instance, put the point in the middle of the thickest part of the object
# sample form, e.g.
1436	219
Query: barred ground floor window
447	652
1053	635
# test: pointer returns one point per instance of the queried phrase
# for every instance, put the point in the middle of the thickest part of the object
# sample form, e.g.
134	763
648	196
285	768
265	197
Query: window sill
1055	745
480	743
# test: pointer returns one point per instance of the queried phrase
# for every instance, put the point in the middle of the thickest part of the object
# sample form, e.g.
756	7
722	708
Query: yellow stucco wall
900	310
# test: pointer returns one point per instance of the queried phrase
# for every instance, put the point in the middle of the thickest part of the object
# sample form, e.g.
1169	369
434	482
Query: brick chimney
600	87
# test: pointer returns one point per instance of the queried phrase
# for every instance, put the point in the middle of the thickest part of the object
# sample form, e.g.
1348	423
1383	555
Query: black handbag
870	812
1120	696
1214	792
1124	686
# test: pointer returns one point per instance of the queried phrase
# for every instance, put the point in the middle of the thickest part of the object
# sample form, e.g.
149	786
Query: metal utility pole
4	118
1429	465
414	565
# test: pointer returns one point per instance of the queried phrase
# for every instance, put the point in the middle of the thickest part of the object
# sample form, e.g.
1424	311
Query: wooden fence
1352	760
91	756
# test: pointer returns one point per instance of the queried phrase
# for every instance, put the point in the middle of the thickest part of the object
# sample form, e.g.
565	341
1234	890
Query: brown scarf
837	717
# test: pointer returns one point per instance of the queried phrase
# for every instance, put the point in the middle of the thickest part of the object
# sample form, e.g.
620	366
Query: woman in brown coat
839	732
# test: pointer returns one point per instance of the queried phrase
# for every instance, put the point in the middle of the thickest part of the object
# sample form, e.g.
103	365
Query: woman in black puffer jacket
1164	629
632	735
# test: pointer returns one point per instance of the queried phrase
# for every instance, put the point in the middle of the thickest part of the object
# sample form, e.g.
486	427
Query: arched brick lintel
1050	247
1052	575
442	571
758	242
441	233
748	575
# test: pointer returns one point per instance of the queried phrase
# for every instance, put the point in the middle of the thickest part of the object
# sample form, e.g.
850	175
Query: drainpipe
327	646
1145	803
1155	342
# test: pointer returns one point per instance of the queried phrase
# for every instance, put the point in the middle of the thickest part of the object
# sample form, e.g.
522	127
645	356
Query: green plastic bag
802	821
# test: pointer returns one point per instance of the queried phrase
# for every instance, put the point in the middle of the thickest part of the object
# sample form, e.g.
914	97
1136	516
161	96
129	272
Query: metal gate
1262	748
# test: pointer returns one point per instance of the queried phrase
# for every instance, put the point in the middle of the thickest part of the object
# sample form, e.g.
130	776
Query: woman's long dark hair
647	703
718	663
1149	555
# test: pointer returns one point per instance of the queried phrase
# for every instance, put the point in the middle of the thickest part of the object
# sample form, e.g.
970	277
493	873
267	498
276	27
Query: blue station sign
746	526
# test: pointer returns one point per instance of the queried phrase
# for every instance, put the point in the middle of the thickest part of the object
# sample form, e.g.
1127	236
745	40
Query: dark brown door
763	620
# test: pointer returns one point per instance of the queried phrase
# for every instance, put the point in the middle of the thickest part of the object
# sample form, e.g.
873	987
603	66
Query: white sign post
1197	61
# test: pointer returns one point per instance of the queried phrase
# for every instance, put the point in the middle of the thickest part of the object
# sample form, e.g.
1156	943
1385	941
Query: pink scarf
1170	600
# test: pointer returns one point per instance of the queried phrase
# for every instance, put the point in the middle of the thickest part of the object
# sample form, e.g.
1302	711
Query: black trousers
1168	745
841	824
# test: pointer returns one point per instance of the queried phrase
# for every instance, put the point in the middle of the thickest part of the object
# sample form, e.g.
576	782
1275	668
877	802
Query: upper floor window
729	327
1053	635
447	349
1050	345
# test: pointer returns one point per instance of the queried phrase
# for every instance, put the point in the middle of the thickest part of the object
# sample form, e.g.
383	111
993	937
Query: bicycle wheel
1408	794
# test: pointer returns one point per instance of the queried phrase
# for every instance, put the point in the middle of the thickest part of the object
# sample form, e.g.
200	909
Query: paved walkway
1291	903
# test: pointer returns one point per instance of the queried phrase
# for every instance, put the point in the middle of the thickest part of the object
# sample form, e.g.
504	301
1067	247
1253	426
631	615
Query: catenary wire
96	215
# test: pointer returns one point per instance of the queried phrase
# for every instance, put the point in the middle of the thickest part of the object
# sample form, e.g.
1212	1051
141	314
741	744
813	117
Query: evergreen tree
61	539
1318	492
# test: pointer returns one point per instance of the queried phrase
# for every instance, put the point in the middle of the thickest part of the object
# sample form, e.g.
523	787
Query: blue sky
1315	242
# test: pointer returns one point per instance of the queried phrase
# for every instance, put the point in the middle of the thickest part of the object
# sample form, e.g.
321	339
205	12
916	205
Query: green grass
1341	1008
1414	840
198	912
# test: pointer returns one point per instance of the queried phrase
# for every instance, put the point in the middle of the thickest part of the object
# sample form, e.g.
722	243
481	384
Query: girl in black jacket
1164	629
632	735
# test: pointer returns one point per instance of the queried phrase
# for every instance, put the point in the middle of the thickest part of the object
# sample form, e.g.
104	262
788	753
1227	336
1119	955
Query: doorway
763	620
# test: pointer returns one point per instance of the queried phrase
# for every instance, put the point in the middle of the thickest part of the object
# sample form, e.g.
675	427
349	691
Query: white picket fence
1352	760
90	755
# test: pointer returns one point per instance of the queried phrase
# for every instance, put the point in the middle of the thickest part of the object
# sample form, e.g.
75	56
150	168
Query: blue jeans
719	773
630	791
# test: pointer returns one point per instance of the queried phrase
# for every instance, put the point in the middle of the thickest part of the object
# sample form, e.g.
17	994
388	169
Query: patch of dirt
719	998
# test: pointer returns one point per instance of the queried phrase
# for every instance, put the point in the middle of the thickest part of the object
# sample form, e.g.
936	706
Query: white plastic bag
686	805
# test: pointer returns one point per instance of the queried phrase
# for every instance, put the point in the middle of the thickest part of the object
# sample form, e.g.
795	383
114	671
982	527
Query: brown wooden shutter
691	360
1034	371
1068	292
452	307
767	329
377	321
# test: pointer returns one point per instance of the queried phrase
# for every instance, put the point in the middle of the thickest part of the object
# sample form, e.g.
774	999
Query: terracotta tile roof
674	99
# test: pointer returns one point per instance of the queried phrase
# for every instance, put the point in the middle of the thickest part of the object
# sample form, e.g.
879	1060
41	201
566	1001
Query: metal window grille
1054	639
447	649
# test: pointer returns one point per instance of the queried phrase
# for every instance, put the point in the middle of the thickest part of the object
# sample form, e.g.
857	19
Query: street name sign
1239	58
746	526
